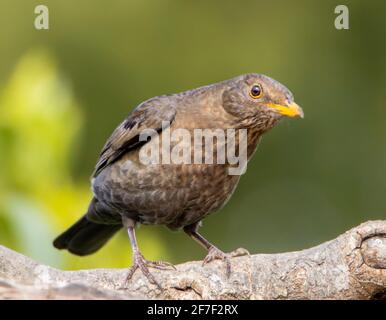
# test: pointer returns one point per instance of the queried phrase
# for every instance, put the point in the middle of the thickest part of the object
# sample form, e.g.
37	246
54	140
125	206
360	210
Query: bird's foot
141	263
215	253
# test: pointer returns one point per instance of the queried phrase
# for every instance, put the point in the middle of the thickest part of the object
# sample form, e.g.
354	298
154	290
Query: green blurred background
63	91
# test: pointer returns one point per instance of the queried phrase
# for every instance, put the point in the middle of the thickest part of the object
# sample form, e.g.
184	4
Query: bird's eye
256	91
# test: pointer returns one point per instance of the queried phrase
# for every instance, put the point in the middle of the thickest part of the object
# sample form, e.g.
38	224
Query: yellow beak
292	110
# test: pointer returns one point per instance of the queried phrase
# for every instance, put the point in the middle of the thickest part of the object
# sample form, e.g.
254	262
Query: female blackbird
179	194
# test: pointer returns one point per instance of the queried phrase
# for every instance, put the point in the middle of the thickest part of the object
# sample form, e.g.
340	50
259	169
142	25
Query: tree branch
352	266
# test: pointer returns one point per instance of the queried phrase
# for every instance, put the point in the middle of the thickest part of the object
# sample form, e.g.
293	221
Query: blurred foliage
63	91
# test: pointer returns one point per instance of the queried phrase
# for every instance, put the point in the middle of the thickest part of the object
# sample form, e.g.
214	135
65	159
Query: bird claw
161	265
141	263
215	253
239	252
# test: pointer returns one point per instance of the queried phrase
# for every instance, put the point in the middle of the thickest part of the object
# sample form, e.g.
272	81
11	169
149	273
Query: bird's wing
148	115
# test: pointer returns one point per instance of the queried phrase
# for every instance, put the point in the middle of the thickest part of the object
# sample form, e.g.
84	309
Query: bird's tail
85	237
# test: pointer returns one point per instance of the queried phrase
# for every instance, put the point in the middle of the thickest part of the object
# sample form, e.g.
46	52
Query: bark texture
352	266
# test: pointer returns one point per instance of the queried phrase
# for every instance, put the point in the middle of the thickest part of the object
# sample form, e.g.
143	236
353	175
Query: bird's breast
175	195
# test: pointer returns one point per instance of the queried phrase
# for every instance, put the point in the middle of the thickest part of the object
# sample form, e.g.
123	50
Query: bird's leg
213	251
139	262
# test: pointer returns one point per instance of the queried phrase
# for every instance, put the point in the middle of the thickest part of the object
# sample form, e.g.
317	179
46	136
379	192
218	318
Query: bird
128	192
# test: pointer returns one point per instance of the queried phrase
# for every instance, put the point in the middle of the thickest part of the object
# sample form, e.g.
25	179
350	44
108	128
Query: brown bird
128	191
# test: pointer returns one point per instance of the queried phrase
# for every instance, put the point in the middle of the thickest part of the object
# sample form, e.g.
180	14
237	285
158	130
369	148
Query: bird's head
255	96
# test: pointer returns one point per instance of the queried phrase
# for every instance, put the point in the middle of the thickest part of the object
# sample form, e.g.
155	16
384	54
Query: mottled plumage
127	192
